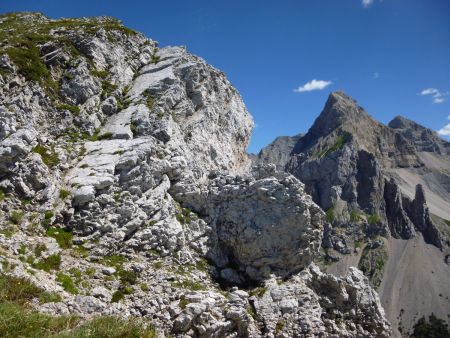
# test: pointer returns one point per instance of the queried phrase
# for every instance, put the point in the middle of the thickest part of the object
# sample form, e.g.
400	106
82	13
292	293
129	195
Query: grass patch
280	326
355	216
148	99
155	59
17	289
63	194
184	217
183	303
190	285
157	265
373	219
108	88
67	283
105	136
49	297
258	292
63	237
329	215
341	140
49	157
52	262
73	109
2	195
99	73
16	217
115	261
18	320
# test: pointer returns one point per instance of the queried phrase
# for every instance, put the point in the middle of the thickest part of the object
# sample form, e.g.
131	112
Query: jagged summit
340	111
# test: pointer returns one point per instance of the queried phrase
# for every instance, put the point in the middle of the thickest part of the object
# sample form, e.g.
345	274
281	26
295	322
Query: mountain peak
340	110
401	122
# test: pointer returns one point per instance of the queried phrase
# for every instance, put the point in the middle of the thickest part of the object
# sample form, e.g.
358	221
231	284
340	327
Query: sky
286	56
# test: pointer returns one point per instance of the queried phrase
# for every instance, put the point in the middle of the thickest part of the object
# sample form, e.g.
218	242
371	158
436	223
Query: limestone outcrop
126	190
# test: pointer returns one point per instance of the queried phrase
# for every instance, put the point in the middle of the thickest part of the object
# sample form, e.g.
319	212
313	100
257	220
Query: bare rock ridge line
375	182
125	190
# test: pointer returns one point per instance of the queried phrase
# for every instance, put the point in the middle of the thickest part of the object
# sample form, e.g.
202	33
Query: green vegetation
99	73
157	265
67	283
73	109
184	217
48	264
63	237
50	158
149	99
49	214
357	244
115	261
39	249
2	195
63	194
21	36
372	264
17	319
16	216
49	297
355	216
445	220
190	285
105	136
341	140
183	303
329	215
251	312
373	219
280	326
17	289
433	328
155	58
127	277
259	292
108	88
134	129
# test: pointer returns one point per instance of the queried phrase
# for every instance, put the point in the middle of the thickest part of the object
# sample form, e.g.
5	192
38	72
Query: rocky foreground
125	190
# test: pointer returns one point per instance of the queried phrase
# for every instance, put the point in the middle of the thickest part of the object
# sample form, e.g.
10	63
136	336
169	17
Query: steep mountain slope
375	182
125	190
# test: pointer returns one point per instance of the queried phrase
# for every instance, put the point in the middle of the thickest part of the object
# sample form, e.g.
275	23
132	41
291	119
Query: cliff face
123	169
375	183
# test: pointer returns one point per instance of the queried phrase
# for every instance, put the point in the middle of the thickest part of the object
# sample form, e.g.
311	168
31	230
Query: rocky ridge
125	188
375	182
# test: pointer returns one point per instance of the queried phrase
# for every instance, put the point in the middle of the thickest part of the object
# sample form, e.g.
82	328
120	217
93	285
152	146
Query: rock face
278	152
348	163
374	182
123	168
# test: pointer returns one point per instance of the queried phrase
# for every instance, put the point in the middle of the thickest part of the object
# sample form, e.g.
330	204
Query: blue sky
382	53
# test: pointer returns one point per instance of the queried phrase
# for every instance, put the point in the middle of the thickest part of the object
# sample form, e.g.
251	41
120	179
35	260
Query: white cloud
436	94
313	85
367	3
446	130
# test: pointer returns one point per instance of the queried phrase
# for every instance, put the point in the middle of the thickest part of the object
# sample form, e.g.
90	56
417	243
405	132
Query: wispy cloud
376	75
446	130
313	85
436	94
367	3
